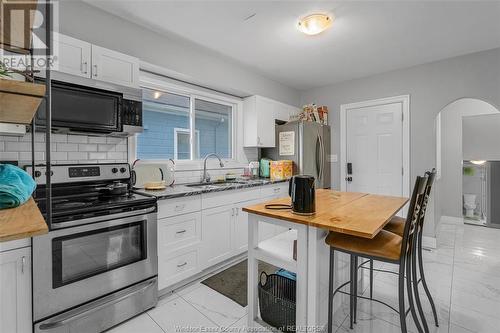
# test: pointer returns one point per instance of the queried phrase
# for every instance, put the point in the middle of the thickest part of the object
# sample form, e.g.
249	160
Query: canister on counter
281	170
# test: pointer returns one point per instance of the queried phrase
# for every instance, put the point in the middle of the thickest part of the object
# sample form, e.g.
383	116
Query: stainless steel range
98	264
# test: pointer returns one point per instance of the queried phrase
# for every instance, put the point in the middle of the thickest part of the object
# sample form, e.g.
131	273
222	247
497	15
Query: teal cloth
16	186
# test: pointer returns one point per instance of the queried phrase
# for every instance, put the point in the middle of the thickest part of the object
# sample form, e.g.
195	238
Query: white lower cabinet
196	233
15	291
216	225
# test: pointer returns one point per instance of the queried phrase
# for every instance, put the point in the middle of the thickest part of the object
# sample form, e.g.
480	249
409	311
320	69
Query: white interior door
374	147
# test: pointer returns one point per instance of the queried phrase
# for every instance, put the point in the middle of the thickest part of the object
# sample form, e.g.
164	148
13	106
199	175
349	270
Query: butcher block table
357	214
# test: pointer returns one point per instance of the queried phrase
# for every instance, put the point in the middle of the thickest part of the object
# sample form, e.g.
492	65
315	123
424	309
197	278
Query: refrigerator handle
323	158
317	155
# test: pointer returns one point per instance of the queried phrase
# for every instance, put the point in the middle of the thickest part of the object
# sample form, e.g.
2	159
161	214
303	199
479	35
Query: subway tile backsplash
66	148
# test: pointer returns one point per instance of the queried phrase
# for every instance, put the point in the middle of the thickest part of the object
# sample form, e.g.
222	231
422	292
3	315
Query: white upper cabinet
80	58
259	114
115	67
74	55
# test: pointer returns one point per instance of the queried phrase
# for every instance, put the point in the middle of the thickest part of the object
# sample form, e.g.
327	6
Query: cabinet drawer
277	190
178	232
174	269
178	206
216	199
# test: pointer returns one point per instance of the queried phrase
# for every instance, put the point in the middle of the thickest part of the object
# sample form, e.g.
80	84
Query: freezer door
313	151
293	153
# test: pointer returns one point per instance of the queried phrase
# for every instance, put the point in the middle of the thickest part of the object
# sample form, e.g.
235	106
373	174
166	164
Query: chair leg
424	283
355	298
414	283
401	297
351	292
330	291
410	294
371	278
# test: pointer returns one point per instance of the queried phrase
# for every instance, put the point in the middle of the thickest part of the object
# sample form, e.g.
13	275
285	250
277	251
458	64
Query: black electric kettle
301	190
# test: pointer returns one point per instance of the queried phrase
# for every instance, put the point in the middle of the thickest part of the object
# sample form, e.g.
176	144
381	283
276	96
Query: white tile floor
463	274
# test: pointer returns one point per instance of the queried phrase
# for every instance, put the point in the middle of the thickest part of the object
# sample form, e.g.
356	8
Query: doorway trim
405	101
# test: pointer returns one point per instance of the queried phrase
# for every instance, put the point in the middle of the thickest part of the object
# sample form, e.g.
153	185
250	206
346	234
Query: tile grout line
156	322
194	307
452	277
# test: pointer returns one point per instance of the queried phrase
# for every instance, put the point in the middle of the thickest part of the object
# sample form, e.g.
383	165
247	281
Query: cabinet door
115	67
15	291
265	122
216	224
74	55
240	231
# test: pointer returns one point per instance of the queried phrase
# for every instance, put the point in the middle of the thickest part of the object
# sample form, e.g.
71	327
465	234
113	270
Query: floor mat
232	282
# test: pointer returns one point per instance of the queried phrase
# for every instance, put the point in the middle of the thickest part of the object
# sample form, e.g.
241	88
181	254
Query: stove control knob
114	170
122	170
37	174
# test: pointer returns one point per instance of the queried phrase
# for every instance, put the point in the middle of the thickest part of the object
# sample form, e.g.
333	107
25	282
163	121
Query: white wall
481	137
450	184
430	86
183	60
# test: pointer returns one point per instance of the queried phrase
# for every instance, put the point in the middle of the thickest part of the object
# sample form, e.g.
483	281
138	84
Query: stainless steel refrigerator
307	144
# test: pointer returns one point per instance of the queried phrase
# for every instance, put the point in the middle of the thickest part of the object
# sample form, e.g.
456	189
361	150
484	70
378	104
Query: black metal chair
386	247
396	225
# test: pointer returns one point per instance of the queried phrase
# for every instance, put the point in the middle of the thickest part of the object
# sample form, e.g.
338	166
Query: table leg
253	241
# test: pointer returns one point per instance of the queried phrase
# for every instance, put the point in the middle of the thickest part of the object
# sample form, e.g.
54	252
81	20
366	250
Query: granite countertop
184	190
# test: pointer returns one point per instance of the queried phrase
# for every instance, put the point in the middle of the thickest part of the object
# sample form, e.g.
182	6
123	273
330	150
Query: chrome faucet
206	176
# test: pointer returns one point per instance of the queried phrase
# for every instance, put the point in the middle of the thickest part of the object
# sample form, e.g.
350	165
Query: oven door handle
104	218
71	317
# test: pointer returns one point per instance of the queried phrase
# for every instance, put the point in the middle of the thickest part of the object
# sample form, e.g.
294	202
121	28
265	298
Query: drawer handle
180	231
276	190
182	265
180	207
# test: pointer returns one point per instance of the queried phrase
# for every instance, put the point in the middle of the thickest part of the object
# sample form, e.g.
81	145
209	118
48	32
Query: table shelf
278	250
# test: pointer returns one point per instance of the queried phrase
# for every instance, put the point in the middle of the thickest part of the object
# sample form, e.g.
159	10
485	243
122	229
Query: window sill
196	165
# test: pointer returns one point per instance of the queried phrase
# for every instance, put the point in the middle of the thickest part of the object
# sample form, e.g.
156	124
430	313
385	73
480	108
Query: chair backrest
431	175
414	213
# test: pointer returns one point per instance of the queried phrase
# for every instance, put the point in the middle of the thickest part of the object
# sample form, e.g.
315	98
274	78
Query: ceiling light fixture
478	162
315	23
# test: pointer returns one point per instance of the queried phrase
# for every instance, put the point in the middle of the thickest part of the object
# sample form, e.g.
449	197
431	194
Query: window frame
155	82
178	130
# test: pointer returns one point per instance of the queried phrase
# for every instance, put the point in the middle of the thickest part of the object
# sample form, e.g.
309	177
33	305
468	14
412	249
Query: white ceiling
366	38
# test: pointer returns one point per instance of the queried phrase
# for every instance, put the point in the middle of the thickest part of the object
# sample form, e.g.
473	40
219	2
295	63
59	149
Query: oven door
79	264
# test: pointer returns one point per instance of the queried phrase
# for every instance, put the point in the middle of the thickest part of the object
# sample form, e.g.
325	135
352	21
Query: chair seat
396	225
384	245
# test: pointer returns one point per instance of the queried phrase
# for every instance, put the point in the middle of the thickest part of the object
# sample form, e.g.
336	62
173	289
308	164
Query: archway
449	153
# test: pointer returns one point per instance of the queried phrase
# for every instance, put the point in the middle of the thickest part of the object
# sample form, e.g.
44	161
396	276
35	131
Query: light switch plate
333	158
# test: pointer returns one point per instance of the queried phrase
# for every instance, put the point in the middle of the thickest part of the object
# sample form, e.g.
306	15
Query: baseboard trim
203	274
429	242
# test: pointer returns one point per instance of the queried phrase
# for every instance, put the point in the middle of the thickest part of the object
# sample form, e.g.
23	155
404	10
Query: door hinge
402	117
402	171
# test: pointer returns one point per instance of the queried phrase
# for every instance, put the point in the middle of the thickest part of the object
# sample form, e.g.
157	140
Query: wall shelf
19	101
21	222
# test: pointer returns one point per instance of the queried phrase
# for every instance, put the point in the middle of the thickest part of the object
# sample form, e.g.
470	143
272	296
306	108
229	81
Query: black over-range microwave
87	106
